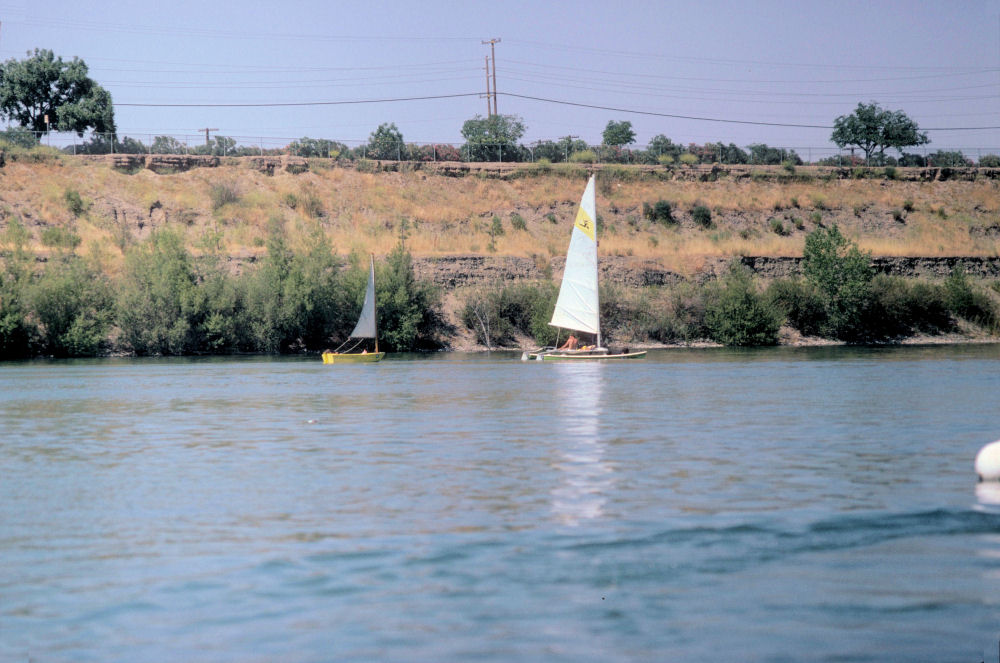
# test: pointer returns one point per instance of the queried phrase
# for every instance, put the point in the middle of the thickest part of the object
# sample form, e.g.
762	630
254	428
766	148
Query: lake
784	504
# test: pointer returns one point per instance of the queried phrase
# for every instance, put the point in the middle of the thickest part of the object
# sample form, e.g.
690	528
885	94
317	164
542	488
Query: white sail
366	322
577	306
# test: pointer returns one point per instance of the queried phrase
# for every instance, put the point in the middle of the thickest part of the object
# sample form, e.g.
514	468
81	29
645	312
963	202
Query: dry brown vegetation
229	209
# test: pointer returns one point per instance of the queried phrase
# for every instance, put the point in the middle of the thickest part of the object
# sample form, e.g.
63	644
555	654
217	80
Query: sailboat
366	328
577	308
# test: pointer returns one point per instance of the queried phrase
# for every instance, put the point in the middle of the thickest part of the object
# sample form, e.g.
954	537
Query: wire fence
553	151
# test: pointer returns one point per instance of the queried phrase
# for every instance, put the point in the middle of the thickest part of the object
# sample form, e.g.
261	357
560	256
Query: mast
597	262
374	302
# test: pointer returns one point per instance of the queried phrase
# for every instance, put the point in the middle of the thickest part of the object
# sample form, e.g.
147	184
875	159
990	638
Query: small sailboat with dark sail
354	350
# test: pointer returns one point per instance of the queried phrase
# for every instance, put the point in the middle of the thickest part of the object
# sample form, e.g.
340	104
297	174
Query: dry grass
367	212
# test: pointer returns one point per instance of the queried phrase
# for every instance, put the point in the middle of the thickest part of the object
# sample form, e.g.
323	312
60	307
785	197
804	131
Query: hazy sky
776	62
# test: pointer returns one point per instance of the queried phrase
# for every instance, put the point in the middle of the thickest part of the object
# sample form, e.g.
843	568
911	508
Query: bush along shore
163	300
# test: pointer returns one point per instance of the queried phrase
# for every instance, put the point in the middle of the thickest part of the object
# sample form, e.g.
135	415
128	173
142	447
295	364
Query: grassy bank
241	258
228	208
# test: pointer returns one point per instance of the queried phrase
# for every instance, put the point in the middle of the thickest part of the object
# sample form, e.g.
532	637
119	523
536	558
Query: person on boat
571	343
364	351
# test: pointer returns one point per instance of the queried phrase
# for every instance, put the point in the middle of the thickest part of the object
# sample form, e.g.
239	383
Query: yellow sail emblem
585	223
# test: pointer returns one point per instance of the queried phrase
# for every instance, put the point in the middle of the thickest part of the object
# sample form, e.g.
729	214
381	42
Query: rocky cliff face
460	271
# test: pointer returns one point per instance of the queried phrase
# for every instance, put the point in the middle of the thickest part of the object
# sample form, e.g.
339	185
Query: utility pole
207	142
489	109
493	56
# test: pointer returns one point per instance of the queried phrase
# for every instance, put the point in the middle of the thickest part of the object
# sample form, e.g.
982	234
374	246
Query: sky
770	71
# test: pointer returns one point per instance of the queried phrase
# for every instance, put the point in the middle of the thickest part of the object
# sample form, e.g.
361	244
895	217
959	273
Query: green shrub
898	216
551	218
72	303
662	211
496	314
799	303
816	218
890	173
57	236
682	316
312	206
74	203
517	222
989	161
968	302
583	156
898	307
222	194
702	215
908	205
736	314
688	159
777	227
496	227
842	275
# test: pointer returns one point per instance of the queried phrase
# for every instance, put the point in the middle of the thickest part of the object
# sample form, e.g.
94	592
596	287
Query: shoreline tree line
166	301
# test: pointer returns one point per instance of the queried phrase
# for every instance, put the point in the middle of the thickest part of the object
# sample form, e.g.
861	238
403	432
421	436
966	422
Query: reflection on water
586	478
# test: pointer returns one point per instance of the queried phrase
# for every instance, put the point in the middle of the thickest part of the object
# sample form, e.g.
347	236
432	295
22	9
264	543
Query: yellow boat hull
352	358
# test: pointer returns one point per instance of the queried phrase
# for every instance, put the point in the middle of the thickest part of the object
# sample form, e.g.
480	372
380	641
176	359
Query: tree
842	275
43	85
168	145
874	129
386	142
157	302
407	307
618	134
493	138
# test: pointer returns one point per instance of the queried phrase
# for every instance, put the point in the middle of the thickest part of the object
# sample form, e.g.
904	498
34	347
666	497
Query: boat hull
352	358
582	356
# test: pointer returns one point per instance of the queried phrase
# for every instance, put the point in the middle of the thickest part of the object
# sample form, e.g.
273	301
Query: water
769	505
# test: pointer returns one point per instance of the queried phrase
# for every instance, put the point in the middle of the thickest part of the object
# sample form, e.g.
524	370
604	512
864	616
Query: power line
301	103
711	119
527	97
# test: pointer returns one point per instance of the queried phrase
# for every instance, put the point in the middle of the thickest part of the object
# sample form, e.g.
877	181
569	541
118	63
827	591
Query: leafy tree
17	333
218	146
407	308
168	145
44	85
157	305
618	134
874	129
19	137
317	147
129	145
72	302
842	275
948	159
660	145
386	142
764	154
295	301
493	138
